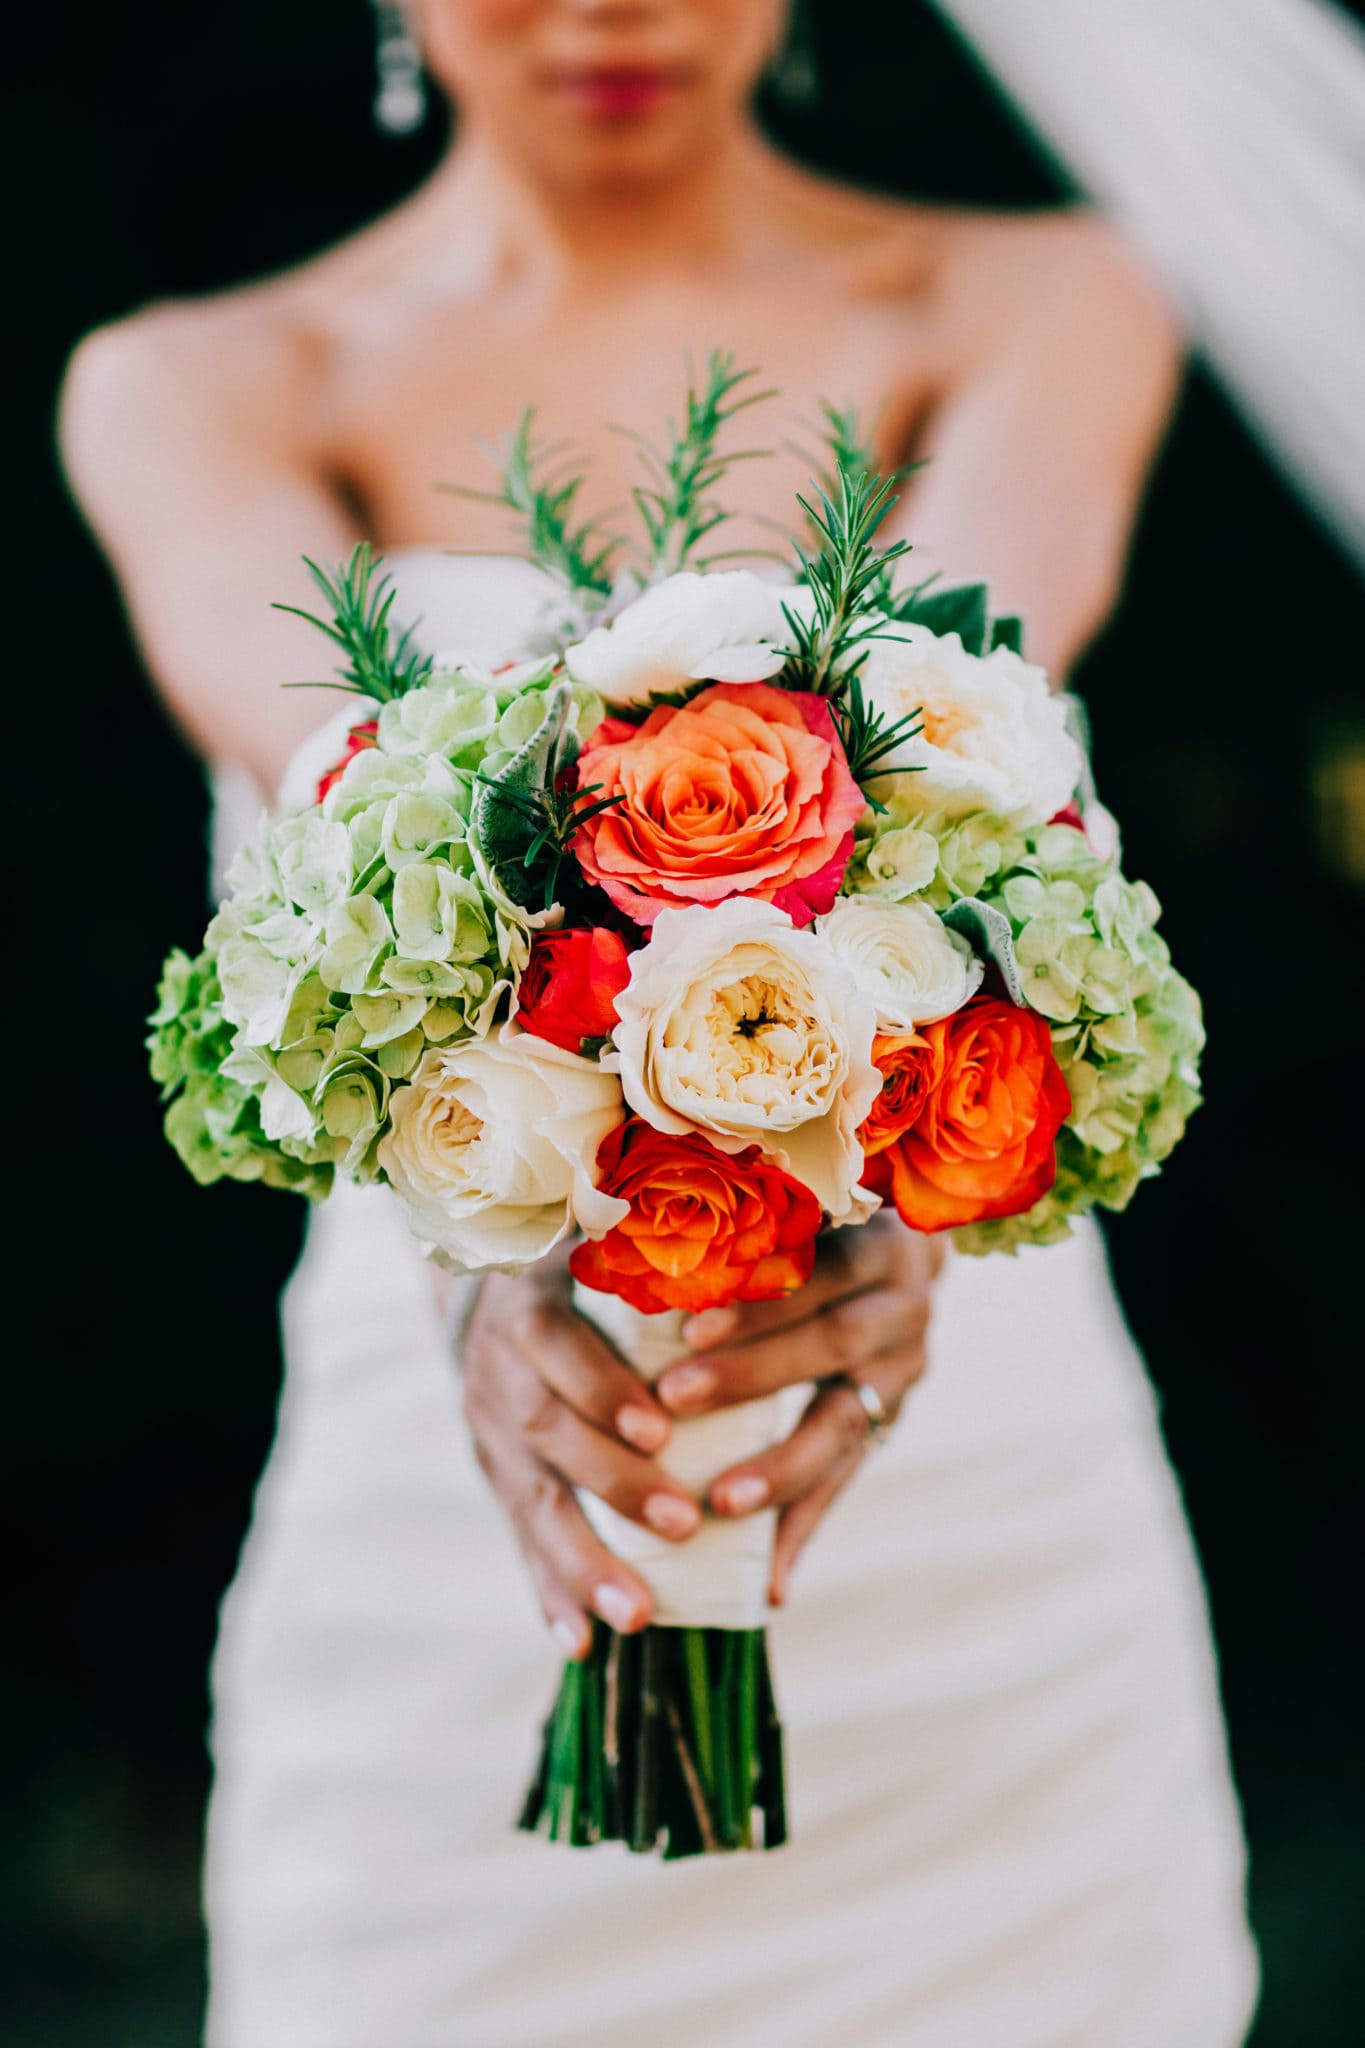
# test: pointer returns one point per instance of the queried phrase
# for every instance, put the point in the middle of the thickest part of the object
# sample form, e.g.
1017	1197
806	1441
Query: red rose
705	1227
357	739
568	992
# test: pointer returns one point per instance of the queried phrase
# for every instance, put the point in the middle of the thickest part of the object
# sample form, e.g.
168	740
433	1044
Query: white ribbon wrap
719	1577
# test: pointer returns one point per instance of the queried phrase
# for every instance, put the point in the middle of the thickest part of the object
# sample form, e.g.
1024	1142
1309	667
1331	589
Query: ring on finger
871	1403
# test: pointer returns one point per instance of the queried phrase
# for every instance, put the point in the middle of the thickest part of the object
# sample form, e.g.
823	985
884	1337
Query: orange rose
982	1142
744	791
905	1061
705	1227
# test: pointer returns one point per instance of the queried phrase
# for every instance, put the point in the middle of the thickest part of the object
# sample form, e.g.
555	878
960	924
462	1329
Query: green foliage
541	497
847	579
377	664
962	608
524	820
676	505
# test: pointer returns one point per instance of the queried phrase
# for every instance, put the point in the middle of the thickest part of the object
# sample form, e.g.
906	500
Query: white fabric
1228	136
1013	1826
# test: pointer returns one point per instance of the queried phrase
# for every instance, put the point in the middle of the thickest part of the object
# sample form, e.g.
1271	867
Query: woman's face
593	93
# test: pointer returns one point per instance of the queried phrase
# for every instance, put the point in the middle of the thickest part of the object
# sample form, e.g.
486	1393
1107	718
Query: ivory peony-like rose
569	988
983	1142
736	1024
727	627
994	736
491	1146
705	1227
903	958
744	791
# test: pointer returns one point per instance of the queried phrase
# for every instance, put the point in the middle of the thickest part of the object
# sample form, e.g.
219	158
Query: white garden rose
994	735
903	958
722	628
493	1146
737	1024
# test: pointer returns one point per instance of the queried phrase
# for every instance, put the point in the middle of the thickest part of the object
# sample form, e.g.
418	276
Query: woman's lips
618	92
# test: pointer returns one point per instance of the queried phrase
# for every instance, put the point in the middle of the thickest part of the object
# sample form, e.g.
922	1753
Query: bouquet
733	909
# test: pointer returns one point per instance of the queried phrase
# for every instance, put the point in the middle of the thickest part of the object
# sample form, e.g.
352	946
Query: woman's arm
185	435
1063	359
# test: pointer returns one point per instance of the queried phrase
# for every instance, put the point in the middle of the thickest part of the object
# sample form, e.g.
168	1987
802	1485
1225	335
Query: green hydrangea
903	850
1126	1028
213	1121
354	934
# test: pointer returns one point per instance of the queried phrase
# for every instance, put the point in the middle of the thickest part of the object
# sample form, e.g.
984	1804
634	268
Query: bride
1013	1822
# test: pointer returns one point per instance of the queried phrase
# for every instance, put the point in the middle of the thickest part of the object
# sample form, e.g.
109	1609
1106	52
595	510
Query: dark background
161	150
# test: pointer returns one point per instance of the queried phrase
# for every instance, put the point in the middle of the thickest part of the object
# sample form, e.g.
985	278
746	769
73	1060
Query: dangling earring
400	104
794	73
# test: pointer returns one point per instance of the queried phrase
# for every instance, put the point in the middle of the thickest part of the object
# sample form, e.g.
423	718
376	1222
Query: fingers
846	1262
848	1334
517	1410
571	1568
533	1316
581	1367
797	1524
833	1427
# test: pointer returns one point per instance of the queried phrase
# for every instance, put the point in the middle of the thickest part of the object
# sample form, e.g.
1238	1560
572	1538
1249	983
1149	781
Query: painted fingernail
615	1605
670	1514
682	1386
741	1496
642	1427
709	1327
572	1636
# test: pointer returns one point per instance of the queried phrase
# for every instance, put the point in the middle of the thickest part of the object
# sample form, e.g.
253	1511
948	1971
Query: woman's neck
707	214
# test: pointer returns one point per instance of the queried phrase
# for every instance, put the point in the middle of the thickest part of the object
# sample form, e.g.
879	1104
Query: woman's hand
862	1316
551	1407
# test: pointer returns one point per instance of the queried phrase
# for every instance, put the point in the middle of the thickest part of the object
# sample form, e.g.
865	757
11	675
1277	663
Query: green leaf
511	813
989	934
964	610
1008	631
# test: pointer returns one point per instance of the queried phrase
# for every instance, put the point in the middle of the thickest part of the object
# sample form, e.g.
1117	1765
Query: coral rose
983	1141
705	1227
744	791
569	989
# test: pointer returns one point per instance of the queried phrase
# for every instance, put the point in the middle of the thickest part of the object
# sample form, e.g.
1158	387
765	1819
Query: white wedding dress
1012	1820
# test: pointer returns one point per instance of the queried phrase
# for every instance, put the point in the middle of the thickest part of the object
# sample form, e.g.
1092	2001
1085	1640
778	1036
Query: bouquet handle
669	1740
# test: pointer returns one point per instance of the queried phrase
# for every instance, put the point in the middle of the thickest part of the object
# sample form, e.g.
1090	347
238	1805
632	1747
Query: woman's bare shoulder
257	356
1059	268
956	258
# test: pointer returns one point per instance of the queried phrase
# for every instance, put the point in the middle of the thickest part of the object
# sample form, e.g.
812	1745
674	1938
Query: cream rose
736	1024
903	958
493	1147
723	628
994	736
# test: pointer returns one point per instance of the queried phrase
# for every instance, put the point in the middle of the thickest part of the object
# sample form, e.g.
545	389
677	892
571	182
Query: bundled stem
669	1741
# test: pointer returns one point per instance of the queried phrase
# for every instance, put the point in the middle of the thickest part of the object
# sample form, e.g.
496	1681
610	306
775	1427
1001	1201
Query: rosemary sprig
542	500
378	664
848	577
675	506
868	736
